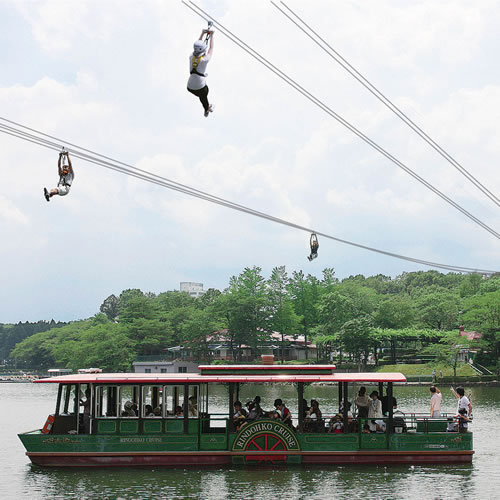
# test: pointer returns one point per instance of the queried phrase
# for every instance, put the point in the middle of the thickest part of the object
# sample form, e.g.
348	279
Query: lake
26	406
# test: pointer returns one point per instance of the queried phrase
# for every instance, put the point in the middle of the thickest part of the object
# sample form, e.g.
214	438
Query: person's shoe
46	194
209	110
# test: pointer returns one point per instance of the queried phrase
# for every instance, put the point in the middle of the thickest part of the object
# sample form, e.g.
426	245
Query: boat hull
177	459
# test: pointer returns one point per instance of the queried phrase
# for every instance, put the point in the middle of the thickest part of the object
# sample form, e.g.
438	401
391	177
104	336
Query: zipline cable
109	163
237	41
336	56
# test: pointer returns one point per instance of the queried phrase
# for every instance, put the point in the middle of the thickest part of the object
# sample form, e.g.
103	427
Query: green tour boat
137	419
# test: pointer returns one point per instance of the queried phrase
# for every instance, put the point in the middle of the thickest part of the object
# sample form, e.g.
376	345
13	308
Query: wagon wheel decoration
266	442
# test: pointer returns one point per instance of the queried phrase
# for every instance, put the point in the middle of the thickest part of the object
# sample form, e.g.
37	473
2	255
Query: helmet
199	47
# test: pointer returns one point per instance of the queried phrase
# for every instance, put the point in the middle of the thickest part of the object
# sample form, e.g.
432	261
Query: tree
111	307
357	339
304	294
438	309
394	312
448	350
281	315
483	313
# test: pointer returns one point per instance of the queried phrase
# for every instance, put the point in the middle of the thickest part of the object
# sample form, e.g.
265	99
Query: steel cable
335	55
111	164
223	30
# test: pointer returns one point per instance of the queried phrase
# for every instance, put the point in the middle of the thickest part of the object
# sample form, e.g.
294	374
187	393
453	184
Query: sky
111	76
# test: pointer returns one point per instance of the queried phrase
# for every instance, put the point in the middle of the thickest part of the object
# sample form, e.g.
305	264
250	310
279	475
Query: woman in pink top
436	402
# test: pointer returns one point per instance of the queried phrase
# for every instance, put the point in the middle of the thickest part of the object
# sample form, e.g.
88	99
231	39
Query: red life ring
48	424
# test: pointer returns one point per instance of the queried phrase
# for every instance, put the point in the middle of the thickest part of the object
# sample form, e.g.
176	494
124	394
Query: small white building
176	366
193	289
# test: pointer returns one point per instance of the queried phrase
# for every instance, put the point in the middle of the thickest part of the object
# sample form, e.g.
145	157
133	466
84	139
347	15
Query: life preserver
48	424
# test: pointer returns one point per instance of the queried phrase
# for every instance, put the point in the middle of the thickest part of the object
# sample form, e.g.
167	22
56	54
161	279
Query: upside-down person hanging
66	176
198	61
314	247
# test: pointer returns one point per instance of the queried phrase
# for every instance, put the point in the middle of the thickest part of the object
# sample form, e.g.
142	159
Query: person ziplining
314	247
66	176
198	61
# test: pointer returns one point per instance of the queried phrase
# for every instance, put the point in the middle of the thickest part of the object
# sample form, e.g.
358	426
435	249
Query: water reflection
480	480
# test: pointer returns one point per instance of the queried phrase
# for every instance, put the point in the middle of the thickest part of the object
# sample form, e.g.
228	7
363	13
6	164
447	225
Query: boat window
173	399
69	400
106	401
129	401
152	401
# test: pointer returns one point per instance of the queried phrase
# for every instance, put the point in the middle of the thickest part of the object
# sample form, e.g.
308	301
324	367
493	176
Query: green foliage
356	317
425	369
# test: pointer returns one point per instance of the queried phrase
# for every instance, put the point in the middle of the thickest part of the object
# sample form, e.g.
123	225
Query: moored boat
128	419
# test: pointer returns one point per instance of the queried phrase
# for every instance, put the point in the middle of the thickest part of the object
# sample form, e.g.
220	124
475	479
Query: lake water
26	406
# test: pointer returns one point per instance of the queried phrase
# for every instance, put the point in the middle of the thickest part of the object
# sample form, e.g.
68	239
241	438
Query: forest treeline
355	317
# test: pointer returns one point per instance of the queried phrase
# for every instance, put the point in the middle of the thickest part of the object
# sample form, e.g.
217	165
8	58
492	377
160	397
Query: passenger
178	412
258	410
336	424
86	411
192	407
148	411
352	424
375	411
157	412
283	412
366	429
135	409
239	415
305	408
314	419
462	420
128	410
436	398
463	401
385	404
452	425
362	403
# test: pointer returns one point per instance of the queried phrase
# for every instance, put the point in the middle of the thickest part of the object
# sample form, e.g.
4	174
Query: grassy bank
425	370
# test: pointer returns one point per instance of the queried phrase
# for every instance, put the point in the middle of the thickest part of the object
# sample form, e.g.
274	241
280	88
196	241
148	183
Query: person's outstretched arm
210	49
70	166
454	393
59	169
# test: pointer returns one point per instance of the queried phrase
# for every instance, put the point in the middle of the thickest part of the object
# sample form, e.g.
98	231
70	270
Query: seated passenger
239	415
157	412
313	421
192	407
128	410
252	413
178	412
452	425
305	407
148	411
283	412
258	409
336	424
462	420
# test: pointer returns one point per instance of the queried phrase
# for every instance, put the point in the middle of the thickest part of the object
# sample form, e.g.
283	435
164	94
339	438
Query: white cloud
111	76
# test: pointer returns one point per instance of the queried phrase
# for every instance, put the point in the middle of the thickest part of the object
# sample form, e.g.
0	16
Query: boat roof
266	367
197	378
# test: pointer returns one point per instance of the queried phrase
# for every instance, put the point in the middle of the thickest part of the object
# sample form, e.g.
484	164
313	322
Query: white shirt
375	409
197	82
436	401
463	402
66	180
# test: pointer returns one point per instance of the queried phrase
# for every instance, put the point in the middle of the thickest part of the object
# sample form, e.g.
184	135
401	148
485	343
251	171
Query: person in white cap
198	62
66	176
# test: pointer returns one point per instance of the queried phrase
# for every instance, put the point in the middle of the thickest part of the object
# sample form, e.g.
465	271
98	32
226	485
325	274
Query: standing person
463	401
362	402
66	176
436	398
198	61
386	404
375	413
